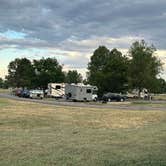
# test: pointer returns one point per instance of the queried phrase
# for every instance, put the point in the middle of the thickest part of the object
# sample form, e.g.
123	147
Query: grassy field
7	91
42	135
160	97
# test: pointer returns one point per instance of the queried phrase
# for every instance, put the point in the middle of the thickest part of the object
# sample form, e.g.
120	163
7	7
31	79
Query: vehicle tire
121	99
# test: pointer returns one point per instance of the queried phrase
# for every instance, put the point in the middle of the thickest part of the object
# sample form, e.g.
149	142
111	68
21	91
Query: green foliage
73	77
160	86
108	70
1	83
20	73
47	70
144	66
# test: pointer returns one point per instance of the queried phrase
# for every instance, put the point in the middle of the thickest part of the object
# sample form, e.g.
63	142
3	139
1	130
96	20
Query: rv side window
88	91
58	87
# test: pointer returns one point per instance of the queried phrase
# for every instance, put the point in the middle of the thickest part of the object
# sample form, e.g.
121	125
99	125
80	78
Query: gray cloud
56	21
82	25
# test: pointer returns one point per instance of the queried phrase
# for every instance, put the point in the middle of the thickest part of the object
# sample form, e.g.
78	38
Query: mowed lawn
42	135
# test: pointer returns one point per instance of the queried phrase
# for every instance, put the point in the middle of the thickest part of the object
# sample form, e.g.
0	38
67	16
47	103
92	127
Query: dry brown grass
87	117
37	134
6	91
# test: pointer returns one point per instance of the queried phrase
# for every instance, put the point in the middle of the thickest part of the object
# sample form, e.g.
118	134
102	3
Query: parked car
113	97
25	93
17	92
33	94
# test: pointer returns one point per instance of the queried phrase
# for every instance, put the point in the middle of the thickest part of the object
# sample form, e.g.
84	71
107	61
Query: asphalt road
147	106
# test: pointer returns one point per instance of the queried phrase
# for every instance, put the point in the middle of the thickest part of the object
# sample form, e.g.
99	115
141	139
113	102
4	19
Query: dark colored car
113	97
25	93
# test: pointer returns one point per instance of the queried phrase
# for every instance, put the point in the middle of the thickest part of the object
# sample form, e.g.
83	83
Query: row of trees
37	74
109	70
114	72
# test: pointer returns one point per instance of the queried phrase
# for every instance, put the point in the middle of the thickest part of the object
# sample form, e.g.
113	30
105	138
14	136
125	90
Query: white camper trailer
80	92
144	94
56	90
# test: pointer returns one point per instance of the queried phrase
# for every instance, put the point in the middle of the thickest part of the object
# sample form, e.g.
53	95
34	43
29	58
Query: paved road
159	105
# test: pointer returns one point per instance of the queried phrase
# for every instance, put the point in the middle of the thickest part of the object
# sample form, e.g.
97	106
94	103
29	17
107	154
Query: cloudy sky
72	30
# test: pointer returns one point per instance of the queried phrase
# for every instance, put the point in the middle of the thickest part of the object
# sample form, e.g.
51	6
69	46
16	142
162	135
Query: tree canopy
47	70
144	66
72	76
20	73
24	73
108	70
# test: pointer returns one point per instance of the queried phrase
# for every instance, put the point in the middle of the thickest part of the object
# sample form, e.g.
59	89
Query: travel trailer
135	94
80	92
56	90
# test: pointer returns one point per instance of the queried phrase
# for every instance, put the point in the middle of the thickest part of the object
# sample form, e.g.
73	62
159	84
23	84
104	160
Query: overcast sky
72	30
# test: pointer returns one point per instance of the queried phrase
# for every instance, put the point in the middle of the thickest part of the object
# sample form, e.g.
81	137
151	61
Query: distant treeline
109	70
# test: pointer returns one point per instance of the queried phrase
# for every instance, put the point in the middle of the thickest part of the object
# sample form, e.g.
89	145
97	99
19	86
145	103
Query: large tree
96	65
144	66
115	72
73	76
108	70
47	70
20	73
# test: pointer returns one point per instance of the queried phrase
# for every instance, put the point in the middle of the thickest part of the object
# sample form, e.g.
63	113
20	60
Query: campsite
33	133
62	120
39	134
82	83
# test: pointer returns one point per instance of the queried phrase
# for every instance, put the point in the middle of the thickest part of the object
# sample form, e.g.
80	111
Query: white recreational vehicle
80	92
56	90
144	94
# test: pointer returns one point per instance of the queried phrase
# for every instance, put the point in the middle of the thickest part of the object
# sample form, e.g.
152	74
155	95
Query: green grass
41	135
